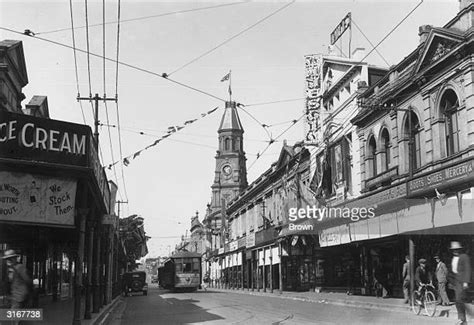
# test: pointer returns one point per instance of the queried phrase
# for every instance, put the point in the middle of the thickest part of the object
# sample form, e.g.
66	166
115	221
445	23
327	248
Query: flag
213	110
126	162
226	77
136	154
190	121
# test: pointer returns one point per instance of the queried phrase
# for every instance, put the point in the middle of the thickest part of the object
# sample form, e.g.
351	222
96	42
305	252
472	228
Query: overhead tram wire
275	102
389	33
260	123
148	17
88	56
272	141
75	60
117	105
231	38
163	75
368	40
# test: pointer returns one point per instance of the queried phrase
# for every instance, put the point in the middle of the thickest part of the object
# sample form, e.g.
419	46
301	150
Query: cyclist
422	274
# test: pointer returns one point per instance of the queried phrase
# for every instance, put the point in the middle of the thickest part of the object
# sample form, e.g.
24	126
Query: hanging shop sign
446	176
39	139
37	199
313	67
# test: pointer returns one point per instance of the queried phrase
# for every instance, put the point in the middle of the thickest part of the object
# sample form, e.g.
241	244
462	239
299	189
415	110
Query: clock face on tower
227	171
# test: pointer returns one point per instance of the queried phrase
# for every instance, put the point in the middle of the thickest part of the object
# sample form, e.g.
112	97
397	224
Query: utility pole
96	99
119	203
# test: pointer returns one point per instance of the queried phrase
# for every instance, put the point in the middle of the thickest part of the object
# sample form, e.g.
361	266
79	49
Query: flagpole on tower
230	85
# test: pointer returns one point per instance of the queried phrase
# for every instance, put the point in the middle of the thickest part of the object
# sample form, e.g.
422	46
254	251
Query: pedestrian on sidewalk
441	273
406	279
20	282
461	267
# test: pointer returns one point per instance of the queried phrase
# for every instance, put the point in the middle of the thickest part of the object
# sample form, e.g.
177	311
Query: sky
168	183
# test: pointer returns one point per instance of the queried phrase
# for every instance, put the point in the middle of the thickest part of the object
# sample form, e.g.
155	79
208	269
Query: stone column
271	270
264	275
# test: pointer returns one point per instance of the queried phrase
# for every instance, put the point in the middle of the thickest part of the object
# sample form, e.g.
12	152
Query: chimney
464	4
358	53
423	32
38	106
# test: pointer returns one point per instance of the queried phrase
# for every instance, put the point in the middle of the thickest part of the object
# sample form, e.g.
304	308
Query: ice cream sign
31	138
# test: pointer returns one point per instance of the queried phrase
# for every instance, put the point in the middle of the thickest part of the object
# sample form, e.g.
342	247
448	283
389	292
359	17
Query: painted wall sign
461	171
32	138
341	28
37	199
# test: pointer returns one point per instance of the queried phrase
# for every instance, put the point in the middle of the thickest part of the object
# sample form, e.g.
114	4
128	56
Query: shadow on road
165	307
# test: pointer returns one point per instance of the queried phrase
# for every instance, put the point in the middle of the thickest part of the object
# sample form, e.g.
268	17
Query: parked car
134	282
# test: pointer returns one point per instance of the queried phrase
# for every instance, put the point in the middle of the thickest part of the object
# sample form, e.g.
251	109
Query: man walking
461	266
442	278
406	279
20	282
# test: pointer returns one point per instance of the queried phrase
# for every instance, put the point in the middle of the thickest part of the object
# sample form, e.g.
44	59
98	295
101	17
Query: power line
120	149
118	48
368	40
163	75
231	38
391	31
88	56
75	58
260	123
146	17
272	141
275	102
110	140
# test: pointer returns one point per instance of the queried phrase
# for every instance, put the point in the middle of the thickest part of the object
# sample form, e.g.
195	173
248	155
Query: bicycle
424	298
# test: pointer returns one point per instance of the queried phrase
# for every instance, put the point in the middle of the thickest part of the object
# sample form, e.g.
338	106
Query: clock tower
231	172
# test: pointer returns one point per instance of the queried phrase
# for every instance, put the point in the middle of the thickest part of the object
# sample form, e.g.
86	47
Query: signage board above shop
448	175
41	140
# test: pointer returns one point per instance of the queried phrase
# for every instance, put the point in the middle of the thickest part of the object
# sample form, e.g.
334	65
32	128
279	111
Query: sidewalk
62	312
368	302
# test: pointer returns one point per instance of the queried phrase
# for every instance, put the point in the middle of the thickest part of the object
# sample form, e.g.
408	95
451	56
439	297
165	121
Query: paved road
163	307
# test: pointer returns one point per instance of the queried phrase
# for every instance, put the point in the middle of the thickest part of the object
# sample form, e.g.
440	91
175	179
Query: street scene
247	162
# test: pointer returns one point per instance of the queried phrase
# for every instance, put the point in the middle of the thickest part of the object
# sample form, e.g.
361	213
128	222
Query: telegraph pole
96	99
119	203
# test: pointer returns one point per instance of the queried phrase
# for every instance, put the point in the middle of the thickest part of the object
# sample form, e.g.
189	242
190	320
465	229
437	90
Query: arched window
449	105
227	144
385	138
372	148
414	155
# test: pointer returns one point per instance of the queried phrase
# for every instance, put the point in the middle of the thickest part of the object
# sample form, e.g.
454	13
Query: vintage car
134	282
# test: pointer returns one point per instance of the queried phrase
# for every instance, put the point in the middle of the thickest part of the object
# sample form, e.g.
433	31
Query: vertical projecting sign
313	64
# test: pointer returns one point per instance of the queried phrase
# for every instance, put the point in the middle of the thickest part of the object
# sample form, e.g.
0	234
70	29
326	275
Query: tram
181	272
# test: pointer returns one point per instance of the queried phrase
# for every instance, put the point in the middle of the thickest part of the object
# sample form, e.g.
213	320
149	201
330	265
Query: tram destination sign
463	171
